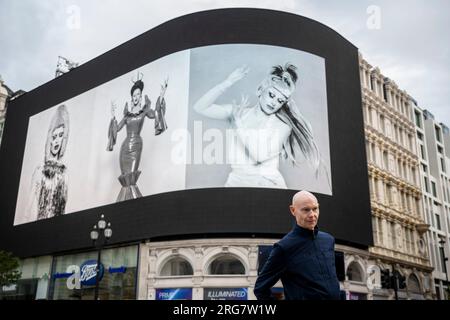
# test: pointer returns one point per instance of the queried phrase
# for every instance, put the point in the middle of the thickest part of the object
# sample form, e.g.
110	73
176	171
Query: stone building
433	143
399	228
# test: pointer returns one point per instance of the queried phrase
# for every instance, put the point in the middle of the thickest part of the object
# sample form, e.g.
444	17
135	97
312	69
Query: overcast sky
407	39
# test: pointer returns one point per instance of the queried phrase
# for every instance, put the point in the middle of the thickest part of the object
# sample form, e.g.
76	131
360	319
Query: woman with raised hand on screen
271	128
131	149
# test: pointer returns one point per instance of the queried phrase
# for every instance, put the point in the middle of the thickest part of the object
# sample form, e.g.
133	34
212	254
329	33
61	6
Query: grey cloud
411	47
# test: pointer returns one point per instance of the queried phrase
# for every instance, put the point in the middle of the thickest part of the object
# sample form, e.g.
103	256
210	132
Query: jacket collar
307	233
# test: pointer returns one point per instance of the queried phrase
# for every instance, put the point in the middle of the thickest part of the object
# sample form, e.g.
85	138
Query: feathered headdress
282	79
137	84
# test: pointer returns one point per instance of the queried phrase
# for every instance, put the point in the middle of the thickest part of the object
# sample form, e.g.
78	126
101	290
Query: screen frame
230	212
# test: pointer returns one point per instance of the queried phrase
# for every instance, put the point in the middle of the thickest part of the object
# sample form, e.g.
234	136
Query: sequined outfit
51	190
131	149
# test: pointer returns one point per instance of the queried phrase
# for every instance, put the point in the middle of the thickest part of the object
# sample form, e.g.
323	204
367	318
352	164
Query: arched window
354	272
177	266
413	284
226	264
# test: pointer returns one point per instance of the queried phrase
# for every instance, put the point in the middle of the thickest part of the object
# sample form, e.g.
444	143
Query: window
382	126
442	165
376	189
385	96
226	264
119	284
405	173
380	230
438	221
411	242
433	188
413	284
354	272
408	240
422	152
418	119
408	202
420	136
177	266
425	181
385	160
402	197
438	133
375	231
393	234
374	156
416	206
400	140
389	193
442	254
369	115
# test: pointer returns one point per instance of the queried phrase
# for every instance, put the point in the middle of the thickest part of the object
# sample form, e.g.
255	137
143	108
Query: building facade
399	228
433	143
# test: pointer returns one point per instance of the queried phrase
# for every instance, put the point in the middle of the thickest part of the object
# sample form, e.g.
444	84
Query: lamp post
101	227
442	242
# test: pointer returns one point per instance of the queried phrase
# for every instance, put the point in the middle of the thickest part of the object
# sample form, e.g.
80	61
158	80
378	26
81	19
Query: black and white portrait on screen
49	185
273	100
94	171
134	115
245	115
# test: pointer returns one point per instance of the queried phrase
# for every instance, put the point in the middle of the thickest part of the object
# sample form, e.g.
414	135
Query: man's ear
292	209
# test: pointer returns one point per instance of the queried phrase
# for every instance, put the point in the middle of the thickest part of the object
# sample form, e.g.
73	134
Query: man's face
306	212
271	100
57	140
137	95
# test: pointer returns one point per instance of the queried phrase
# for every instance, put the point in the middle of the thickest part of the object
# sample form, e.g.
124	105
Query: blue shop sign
61	275
225	293
88	273
174	294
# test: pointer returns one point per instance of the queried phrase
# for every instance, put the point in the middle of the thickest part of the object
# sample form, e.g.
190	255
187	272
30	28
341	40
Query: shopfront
33	283
74	276
201	269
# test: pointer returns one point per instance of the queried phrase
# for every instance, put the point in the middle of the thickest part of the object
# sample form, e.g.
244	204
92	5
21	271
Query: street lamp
100	226
442	243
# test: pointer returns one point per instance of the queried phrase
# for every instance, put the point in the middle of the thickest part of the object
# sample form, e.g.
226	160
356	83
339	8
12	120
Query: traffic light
386	279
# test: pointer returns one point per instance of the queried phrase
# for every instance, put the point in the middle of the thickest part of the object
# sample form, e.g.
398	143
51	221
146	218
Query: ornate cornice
377	172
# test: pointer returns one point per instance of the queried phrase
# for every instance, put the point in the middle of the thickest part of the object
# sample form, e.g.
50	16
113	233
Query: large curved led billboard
187	131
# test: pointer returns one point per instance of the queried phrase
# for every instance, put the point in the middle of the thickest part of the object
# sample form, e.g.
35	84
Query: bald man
303	259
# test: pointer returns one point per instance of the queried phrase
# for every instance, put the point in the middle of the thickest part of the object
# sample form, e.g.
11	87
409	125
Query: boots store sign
84	275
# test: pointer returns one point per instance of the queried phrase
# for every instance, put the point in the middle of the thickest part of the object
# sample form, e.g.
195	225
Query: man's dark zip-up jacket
304	261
